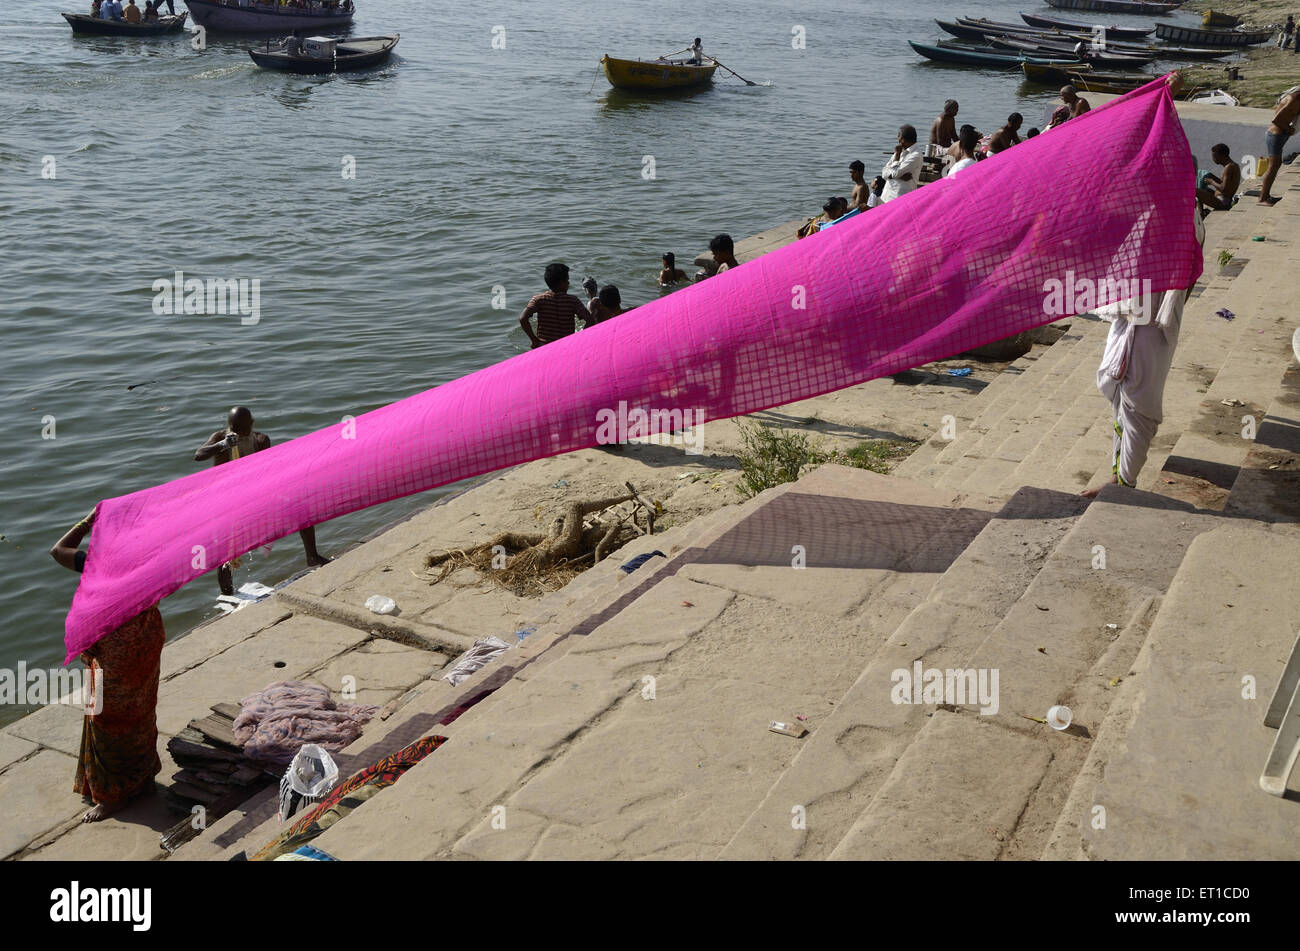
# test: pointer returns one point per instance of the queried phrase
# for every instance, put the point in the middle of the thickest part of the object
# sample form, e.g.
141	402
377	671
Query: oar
734	73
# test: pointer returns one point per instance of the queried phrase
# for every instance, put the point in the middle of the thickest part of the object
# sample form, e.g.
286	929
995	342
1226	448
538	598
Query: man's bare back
944	131
1284	119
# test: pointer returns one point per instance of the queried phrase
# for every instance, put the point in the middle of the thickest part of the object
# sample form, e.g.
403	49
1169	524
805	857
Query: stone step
965	411
1047	374
1145	790
1035	410
1021	436
1056	444
1210	451
1267	487
557	716
1011	400
843	762
1053	646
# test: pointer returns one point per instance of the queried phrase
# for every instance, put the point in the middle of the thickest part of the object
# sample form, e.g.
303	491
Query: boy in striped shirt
557	311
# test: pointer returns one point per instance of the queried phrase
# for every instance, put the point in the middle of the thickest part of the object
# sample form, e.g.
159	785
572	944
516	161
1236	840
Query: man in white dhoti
1134	367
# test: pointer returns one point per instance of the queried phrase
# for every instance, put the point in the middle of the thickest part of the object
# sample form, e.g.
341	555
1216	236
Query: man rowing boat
696	58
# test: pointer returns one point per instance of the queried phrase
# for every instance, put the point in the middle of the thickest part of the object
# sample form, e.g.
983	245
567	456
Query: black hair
1220	147
969	138
856	165
1033	131
1015	117
907	133
723	243
556	275
609	296
670	259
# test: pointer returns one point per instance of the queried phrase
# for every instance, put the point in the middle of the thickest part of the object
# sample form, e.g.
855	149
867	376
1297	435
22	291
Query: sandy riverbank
1266	70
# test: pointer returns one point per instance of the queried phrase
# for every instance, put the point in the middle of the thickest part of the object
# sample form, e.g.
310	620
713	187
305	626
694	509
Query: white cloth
958	166
1134	367
907	163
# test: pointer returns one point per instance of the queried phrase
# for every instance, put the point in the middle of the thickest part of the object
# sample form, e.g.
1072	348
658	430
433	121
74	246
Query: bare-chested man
1219	198
1279	130
1006	136
236	440
1078	105
861	196
944	130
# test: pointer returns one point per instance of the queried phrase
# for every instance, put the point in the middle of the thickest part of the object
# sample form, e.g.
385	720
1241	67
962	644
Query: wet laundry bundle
274	723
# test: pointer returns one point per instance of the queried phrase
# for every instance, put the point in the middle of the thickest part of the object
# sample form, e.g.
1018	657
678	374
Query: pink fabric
950	266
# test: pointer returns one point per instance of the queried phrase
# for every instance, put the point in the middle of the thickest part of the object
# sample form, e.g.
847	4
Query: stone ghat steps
992	786
1217	427
921	464
569	749
1048	426
1173	773
842	763
1007	393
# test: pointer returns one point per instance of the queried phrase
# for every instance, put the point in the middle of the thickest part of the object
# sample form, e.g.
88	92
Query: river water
127	160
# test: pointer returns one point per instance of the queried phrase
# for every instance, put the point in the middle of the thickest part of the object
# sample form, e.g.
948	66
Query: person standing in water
119	740
226	445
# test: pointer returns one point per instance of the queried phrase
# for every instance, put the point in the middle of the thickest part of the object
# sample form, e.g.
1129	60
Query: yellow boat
639	75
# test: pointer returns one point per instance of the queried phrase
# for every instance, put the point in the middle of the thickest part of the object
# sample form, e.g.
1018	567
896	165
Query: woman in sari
119	744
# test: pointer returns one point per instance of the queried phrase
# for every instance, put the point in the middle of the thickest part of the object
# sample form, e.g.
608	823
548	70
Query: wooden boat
1074	26
1108	57
1219	21
343	56
978	57
639	75
93	26
229	16
1217	38
983	30
1139	7
1082	78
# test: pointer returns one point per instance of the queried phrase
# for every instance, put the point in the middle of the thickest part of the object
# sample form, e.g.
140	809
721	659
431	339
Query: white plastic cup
1058	718
380	604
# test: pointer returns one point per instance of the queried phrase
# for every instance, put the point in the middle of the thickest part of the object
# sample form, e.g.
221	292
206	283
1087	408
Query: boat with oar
321	55
983	30
966	56
93	26
1107	57
1074	26
1139	7
1235	39
255	16
661	75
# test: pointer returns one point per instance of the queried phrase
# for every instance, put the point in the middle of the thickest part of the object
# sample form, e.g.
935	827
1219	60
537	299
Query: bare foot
316	560
101	811
1093	493
1268	200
